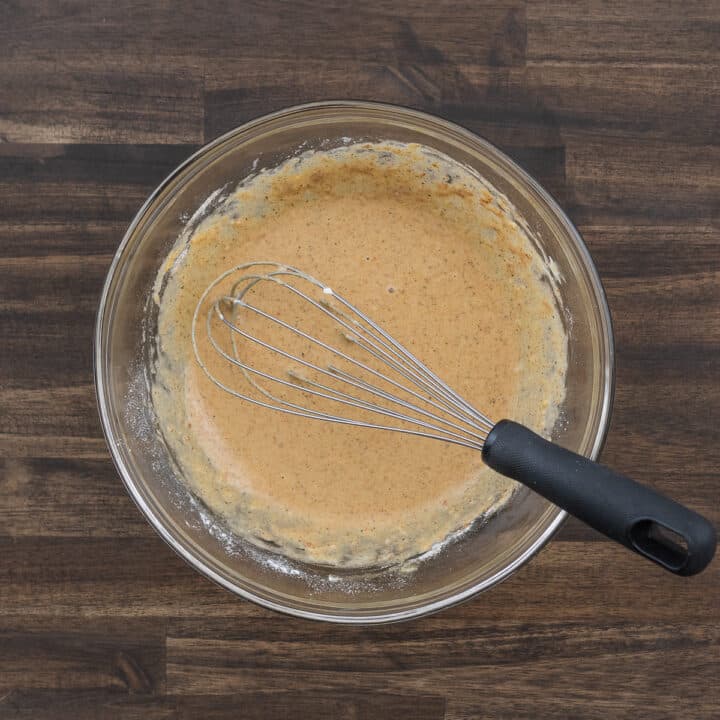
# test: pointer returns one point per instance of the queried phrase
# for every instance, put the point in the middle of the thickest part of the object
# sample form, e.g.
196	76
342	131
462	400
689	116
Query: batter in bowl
434	255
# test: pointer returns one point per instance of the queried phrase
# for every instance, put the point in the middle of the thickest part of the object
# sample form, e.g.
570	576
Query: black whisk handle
636	516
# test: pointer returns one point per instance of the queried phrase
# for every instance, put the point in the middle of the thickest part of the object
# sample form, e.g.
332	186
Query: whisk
273	335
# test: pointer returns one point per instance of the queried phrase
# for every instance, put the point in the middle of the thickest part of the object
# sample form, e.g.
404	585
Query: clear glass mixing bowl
124	344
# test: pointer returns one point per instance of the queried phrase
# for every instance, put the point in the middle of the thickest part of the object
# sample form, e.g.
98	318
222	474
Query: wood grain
67	654
271	705
613	106
653	31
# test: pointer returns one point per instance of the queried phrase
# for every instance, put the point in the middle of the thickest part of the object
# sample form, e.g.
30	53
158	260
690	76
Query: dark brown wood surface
614	106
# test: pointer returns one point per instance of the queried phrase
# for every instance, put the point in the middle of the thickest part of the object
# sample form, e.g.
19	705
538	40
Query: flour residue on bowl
438	258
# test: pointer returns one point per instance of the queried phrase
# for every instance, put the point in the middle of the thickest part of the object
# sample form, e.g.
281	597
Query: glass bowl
124	343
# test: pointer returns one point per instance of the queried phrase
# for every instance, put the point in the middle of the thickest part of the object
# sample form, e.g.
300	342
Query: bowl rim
193	559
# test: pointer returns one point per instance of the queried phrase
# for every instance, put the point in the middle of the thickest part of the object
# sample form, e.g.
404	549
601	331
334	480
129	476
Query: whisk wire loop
421	403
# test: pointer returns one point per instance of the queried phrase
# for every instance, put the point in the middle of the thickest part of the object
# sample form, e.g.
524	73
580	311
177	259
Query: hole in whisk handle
659	543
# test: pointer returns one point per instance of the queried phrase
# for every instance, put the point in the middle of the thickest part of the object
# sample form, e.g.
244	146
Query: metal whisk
272	335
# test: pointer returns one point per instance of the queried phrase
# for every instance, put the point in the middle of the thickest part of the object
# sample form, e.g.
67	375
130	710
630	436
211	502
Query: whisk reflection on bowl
275	336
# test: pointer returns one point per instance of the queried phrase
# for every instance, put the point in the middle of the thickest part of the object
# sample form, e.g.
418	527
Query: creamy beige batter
437	258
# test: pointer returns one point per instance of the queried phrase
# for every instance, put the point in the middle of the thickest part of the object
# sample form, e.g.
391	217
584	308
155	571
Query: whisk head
272	335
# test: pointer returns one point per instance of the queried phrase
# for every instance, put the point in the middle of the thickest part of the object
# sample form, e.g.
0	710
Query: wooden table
614	106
